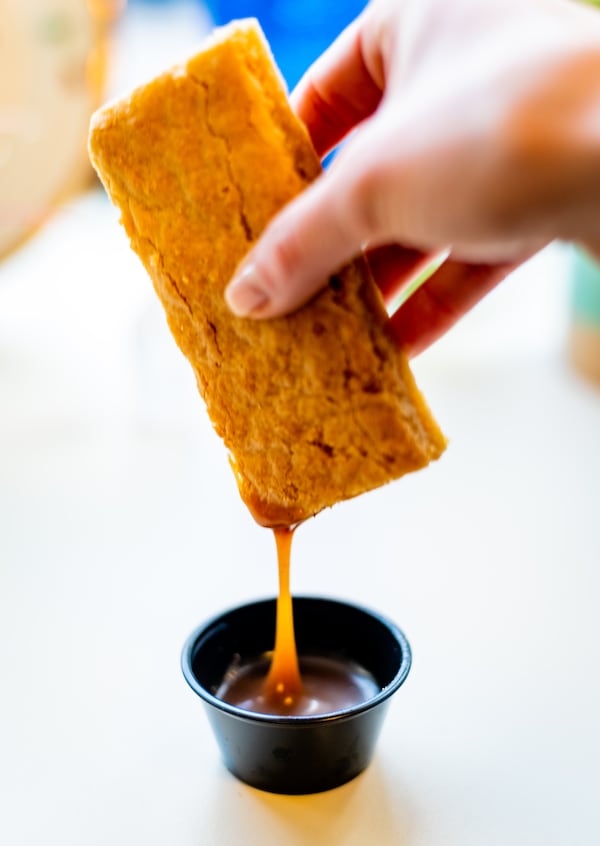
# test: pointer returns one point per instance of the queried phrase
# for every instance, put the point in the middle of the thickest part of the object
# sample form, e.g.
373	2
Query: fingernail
244	293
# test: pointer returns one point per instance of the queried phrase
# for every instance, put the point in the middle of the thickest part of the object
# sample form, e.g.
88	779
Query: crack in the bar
158	259
225	141
213	329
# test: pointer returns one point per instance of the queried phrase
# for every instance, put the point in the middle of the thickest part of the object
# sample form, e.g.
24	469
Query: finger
299	250
394	268
315	234
442	300
338	91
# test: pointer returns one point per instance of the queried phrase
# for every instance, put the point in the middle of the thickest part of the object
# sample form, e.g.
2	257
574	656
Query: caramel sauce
328	685
284	684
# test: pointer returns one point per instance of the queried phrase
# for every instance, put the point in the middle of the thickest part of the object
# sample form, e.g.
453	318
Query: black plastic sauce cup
297	754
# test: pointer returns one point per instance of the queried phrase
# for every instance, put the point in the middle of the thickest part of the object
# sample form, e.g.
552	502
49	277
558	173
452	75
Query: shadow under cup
297	754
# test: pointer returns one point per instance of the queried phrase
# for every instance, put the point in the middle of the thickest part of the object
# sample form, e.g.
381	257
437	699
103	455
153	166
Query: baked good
315	407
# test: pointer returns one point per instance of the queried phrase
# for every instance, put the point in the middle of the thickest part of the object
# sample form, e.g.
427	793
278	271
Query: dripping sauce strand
283	683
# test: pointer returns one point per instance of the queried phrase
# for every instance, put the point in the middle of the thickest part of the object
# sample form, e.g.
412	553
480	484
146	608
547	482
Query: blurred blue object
297	30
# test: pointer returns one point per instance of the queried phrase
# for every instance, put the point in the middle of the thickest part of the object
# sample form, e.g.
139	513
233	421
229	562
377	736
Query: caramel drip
283	683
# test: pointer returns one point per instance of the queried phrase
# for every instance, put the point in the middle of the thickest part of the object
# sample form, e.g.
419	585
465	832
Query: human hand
477	138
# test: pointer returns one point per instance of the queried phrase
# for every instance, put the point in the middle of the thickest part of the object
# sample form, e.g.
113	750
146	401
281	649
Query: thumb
310	239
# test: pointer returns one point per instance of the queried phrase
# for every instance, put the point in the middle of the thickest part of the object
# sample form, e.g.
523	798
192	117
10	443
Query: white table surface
121	529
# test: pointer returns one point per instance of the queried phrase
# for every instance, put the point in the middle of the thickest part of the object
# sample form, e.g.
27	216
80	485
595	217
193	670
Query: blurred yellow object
584	339
585	351
53	61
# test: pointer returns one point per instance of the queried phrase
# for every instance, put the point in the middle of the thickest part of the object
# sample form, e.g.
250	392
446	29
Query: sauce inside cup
328	685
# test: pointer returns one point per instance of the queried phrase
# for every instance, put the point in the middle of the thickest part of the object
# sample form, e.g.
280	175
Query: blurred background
121	528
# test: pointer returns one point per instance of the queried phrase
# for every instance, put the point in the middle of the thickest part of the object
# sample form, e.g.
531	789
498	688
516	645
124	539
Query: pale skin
473	133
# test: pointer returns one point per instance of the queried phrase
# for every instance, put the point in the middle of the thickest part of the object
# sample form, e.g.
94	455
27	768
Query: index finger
338	91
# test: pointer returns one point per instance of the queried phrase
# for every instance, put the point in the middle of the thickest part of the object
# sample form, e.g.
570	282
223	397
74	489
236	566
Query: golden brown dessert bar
315	407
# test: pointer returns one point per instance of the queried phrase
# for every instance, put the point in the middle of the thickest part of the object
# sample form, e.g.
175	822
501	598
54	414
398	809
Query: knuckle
363	188
279	253
362	209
